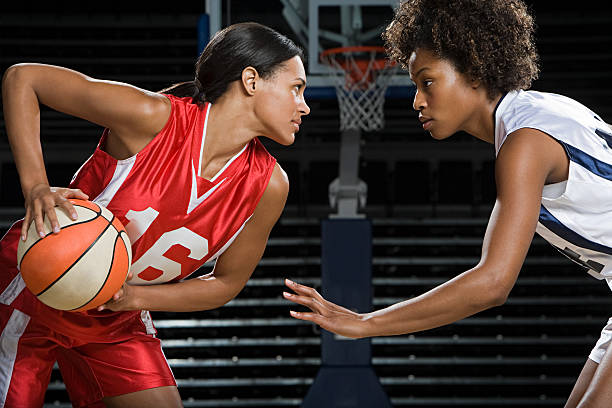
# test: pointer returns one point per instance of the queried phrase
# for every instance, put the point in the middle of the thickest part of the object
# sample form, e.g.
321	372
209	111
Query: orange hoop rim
353	48
374	64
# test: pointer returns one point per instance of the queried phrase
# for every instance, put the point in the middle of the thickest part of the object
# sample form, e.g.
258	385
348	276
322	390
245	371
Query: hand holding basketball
123	299
81	267
40	202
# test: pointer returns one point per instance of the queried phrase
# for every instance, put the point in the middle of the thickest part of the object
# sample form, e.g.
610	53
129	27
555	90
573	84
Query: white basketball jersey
575	215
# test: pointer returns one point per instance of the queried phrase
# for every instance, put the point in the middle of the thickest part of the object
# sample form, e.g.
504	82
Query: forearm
22	121
203	293
463	296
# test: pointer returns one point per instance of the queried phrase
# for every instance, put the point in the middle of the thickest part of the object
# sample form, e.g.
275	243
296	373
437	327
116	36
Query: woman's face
444	97
280	102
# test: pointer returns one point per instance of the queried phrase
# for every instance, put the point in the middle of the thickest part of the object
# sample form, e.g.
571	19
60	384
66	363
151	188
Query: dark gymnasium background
428	202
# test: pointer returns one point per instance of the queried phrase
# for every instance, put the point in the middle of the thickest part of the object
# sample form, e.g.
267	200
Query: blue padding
203	32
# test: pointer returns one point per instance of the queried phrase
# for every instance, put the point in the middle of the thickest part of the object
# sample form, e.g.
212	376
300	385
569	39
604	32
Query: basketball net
361	76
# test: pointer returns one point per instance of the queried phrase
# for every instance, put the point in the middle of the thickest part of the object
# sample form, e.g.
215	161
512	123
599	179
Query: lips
296	124
425	121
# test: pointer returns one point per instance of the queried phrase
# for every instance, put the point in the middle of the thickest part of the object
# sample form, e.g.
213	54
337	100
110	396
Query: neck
482	123
228	130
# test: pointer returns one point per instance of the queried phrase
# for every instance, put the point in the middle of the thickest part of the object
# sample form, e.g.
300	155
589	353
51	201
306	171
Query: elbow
9	76
497	298
11	73
12	76
492	284
496	293
227	296
491	293
490	297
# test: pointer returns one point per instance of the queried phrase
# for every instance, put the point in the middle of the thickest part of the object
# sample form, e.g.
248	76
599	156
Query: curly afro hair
488	40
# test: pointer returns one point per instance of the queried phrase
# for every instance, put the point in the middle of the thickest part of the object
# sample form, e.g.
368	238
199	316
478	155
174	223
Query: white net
361	76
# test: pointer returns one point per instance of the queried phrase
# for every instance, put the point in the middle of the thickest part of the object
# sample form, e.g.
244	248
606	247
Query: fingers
68	207
67	193
38	219
302	289
49	212
41	204
26	224
311	317
112	301
77	193
309	302
311	292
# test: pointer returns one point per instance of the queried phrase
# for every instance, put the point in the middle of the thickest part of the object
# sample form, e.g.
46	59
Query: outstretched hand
326	314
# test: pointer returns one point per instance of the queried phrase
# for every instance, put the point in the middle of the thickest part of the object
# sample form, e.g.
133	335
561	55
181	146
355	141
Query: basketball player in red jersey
184	171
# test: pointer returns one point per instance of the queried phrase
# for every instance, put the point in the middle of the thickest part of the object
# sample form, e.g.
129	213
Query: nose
418	103
304	108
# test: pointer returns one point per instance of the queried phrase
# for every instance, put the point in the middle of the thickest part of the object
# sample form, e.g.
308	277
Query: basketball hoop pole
348	193
346	377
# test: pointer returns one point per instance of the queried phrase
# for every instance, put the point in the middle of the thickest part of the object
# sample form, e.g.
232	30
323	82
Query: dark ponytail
229	52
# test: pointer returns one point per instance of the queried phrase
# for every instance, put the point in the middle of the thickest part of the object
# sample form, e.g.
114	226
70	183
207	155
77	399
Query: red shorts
100	354
91	371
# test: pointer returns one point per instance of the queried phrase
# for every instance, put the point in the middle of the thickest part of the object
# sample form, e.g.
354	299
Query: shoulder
275	195
278	186
530	156
556	115
271	205
547	109
182	106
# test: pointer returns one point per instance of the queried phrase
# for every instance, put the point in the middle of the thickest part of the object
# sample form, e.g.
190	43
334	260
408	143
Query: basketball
83	266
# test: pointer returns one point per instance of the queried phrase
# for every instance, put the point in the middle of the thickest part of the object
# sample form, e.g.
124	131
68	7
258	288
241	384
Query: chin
285	140
439	136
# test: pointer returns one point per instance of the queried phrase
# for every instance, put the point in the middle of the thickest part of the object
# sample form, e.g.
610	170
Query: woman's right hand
40	202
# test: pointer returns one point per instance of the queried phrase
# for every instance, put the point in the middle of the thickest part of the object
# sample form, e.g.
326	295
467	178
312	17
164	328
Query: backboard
325	24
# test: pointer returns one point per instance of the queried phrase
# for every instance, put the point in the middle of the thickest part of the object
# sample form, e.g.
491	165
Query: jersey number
154	266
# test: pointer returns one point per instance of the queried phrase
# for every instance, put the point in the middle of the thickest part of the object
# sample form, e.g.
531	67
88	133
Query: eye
427	82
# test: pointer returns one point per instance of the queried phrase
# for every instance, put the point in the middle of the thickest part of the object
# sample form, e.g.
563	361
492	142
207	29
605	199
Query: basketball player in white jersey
553	169
185	172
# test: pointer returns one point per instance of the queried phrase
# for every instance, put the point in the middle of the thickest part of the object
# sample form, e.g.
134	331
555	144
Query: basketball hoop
367	73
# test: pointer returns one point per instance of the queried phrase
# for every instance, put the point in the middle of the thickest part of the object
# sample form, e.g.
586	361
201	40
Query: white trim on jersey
13	290
228	163
122	170
202	151
146	319
203	139
9	340
80	168
194	200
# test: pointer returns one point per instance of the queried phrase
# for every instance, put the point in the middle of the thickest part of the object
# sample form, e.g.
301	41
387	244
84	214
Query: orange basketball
81	267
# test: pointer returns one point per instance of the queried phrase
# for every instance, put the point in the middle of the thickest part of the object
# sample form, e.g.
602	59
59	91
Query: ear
250	78
475	83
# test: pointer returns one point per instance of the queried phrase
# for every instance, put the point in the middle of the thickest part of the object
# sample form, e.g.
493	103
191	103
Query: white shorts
602	344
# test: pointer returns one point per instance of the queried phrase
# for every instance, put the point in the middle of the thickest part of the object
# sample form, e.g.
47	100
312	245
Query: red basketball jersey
176	220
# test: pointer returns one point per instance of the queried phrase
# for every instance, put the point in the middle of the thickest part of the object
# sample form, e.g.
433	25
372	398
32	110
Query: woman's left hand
123	299
326	314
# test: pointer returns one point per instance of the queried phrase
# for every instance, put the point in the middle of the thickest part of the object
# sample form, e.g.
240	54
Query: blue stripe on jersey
596	166
553	224
605	136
